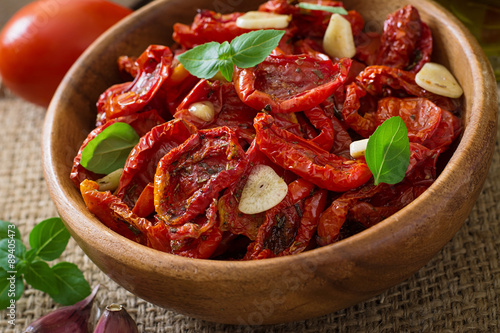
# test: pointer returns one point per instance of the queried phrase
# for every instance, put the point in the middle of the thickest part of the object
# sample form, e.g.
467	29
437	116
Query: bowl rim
377	233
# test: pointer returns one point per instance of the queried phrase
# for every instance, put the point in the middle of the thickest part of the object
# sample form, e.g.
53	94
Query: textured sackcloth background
457	291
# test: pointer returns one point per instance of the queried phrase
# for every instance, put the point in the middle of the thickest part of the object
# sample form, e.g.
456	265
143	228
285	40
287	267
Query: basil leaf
388	151
201	61
334	10
11	252
9	230
253	47
109	150
71	284
11	288
39	275
49	238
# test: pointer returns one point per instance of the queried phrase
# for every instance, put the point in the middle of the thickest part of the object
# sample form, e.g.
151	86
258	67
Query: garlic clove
437	79
110	182
263	190
116	319
202	110
73	318
338	41
358	148
263	20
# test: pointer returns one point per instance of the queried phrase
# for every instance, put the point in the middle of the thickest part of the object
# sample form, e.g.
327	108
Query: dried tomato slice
140	167
421	116
141	123
281	223
208	26
191	175
405	42
154	67
289	83
307	160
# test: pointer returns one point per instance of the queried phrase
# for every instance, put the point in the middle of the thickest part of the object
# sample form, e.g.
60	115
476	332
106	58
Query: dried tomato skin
140	167
208	26
141	123
189	176
402	39
307	160
154	67
289	83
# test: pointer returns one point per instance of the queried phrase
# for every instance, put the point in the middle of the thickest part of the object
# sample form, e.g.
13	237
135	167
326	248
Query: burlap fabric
457	291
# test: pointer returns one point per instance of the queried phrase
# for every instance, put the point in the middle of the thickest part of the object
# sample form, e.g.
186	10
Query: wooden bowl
282	289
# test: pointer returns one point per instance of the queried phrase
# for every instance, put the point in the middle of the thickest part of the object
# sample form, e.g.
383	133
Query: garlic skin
116	319
73	318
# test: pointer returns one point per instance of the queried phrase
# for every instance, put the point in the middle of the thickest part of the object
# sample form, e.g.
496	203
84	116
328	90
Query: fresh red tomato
40	43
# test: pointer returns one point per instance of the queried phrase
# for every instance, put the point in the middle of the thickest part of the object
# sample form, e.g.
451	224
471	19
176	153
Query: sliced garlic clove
263	20
358	148
202	110
437	79
338	41
263	190
110	182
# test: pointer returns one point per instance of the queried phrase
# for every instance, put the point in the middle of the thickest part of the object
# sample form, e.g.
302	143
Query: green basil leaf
109	150
39	275
9	230
334	10
388	151
253	47
201	61
11	252
11	289
49	238
71	284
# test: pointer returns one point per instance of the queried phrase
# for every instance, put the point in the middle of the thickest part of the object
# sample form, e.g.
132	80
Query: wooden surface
297	287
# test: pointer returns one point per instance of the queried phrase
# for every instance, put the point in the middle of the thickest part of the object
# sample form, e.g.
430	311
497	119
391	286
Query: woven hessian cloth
457	291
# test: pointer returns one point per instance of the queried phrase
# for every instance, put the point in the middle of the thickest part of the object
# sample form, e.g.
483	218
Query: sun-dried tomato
191	175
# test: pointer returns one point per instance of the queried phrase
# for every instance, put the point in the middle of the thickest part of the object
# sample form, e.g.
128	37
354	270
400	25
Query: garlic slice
203	110
110	182
358	148
338	40
437	79
264	190
262	20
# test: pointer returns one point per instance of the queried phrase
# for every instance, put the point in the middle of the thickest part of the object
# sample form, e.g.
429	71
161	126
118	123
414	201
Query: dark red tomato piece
322	123
128	67
364	124
145	204
367	46
447	131
400	42
204	91
154	67
281	223
198	238
41	41
307	160
289	83
140	167
191	175
421	116
208	26
141	123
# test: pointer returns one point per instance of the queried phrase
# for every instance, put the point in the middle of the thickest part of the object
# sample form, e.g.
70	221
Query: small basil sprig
334	10
244	51
109	150
64	282
388	151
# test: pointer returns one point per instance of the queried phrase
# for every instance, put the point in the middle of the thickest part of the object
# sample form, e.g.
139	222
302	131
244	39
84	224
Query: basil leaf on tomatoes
109	150
388	151
244	51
